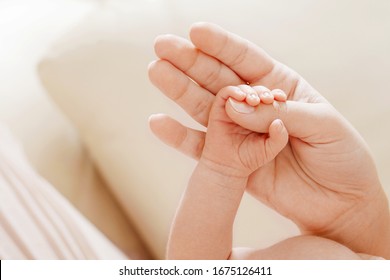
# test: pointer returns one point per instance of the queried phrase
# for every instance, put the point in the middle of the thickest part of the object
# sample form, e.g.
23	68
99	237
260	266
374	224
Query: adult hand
324	180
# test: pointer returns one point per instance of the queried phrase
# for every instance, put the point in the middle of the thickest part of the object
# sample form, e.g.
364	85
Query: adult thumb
311	122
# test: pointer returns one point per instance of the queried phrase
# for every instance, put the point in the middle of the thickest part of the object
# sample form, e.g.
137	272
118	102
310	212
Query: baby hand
233	150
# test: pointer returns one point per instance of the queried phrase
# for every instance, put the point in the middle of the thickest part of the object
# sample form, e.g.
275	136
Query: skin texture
324	180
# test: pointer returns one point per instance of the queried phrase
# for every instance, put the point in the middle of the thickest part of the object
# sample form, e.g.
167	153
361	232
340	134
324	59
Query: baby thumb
307	121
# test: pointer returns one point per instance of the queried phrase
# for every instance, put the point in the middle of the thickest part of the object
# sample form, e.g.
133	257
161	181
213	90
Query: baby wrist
225	176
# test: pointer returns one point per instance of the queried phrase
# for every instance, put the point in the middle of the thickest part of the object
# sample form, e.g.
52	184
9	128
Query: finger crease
200	108
241	55
220	51
212	77
193	62
182	92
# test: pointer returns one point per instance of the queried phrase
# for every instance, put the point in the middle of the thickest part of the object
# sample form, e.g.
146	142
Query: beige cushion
97	75
52	144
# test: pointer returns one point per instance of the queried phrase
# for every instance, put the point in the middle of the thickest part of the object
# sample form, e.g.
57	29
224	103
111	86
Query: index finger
194	99
248	60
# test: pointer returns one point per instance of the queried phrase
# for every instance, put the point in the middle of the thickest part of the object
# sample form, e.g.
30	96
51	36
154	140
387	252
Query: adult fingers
246	59
186	140
195	100
207	71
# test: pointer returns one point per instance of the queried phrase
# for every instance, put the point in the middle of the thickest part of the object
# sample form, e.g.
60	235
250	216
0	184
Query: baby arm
202	228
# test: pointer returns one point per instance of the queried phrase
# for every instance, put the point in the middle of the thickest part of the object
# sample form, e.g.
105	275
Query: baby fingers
255	95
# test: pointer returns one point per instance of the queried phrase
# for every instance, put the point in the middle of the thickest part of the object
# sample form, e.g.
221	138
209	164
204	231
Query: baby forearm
202	228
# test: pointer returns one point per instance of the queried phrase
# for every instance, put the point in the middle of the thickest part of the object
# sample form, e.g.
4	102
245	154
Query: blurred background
74	91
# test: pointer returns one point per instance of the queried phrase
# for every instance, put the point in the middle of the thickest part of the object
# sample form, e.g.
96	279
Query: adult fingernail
241	107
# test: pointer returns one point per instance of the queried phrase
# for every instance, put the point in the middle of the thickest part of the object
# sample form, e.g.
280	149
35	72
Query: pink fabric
36	222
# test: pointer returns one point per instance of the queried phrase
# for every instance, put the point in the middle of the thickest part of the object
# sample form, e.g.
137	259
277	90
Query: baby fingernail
253	95
280	95
241	107
267	94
